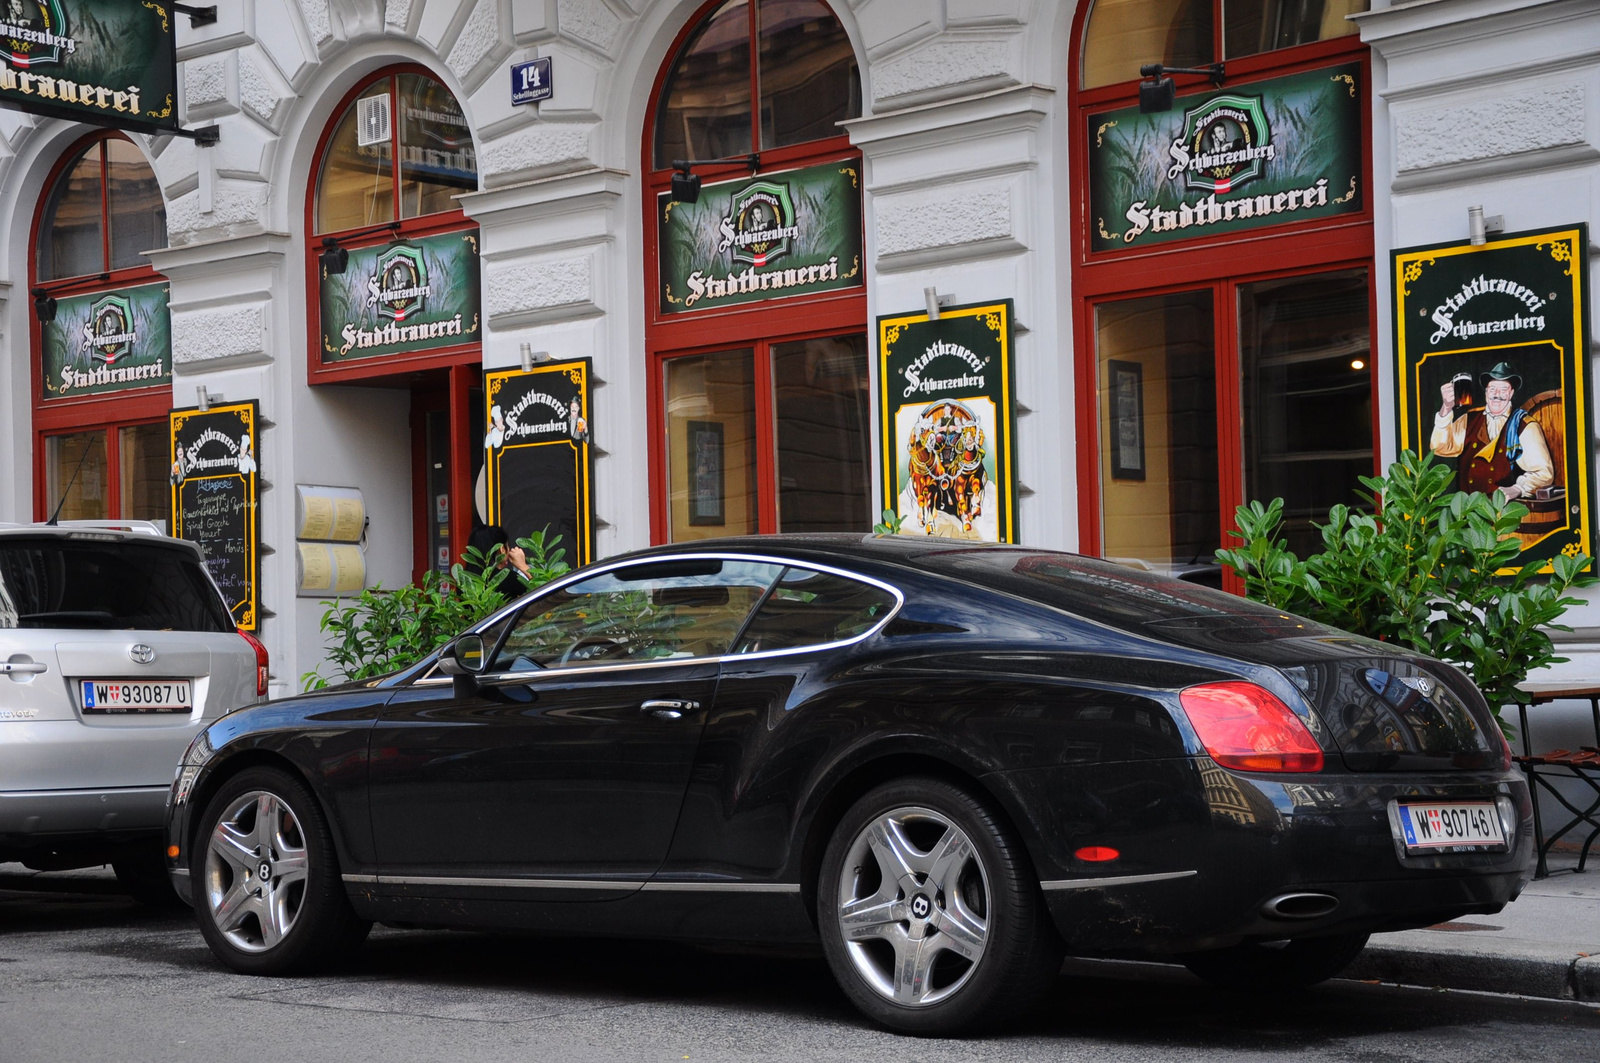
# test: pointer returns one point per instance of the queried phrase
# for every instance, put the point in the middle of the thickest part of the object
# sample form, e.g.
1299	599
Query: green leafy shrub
380	631
1419	569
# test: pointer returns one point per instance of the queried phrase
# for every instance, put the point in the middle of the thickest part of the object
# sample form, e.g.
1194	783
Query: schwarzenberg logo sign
106	341
785	234
413	295
1288	151
106	61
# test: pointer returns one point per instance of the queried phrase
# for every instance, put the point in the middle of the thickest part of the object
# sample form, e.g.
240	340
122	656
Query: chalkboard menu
537	451
215	492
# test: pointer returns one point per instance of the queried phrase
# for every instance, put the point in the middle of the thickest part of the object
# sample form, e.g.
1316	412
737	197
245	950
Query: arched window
1222	273
393	286
101	338
757	350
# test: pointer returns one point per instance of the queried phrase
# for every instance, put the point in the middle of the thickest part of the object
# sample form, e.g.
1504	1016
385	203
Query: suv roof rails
137	527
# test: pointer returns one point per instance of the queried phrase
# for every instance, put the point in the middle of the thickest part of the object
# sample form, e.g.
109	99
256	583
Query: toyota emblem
141	654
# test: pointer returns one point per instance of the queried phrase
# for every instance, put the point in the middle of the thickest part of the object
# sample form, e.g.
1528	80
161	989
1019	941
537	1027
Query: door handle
28	668
668	708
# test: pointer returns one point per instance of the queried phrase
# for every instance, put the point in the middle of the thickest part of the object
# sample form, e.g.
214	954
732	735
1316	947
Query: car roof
142	531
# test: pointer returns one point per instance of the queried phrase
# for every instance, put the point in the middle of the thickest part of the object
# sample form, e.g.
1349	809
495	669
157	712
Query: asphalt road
87	975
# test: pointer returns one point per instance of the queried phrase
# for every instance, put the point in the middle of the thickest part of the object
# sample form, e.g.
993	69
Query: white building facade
977	128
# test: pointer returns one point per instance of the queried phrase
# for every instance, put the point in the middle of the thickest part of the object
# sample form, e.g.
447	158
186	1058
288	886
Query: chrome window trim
1114	880
604	568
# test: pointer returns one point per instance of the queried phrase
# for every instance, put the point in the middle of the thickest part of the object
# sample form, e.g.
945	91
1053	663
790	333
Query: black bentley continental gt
951	763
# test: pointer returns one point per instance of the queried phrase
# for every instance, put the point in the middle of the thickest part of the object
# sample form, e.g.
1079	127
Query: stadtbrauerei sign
110	62
1493	376
1265	153
215	491
107	341
537	459
947	414
797	232
409	295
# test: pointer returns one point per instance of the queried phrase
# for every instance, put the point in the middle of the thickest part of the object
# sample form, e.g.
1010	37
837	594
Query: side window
646	612
809	608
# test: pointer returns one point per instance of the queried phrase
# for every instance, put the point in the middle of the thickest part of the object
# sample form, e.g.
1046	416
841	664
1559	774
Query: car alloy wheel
255	871
913	904
269	898
931	915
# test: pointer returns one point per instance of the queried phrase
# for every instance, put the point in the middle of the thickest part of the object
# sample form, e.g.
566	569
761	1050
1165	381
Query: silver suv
116	648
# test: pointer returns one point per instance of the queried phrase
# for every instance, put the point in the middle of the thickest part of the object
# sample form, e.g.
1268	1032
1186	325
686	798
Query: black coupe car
950	762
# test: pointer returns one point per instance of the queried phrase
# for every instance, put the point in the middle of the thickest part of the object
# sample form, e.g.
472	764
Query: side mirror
465	656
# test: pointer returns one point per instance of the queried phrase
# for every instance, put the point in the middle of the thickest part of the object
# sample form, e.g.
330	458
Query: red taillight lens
1247	728
261	661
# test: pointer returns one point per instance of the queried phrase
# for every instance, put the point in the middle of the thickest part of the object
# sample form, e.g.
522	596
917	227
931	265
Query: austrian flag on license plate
1450	825
108	696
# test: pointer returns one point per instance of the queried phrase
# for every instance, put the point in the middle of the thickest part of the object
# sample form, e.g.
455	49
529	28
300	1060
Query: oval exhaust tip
1300	906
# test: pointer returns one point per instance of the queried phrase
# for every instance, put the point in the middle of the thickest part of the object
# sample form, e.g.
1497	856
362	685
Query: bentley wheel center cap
921	906
266	871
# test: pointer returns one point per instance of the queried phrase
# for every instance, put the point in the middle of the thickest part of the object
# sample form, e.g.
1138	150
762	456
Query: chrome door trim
722	887
1113	880
498	883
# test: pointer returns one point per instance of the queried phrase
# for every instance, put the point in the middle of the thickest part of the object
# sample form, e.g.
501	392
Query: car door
566	762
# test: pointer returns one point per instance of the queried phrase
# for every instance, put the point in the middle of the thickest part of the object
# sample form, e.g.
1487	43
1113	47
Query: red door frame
87	413
463	363
753	325
1220	263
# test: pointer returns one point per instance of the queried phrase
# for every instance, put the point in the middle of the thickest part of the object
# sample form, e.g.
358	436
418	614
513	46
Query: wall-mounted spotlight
44	307
334	258
1480	228
1159	94
686	183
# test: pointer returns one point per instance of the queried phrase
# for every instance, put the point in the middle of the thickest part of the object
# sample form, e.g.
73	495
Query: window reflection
808	74
824	476
356	187
71	242
437	160
706	108
1125	34
1304	352
711	445
142	454
75	475
134	205
1252	26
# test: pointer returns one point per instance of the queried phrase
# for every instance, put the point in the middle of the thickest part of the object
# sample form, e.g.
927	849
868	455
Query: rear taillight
1247	728
261	661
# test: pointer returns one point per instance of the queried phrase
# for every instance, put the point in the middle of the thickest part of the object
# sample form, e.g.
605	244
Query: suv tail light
1246	727
261	661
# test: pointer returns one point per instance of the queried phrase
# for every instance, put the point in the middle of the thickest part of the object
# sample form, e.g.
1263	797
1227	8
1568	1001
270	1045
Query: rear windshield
1099	590
74	583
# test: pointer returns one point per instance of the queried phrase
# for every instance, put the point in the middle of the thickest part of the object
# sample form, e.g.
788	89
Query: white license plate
131	696
1450	825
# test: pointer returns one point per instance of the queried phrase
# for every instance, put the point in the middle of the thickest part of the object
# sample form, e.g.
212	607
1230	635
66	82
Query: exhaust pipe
1300	906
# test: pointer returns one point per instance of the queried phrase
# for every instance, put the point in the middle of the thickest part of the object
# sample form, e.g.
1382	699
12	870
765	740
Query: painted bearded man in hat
1499	447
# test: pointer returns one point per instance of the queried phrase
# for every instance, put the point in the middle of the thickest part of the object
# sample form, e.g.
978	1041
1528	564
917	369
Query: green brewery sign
778	235
410	295
105	61
107	341
1267	153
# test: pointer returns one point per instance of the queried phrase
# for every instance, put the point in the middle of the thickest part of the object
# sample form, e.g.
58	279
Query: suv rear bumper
30	818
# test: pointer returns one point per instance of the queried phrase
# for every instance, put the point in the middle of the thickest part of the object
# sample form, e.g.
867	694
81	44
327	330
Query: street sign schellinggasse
530	81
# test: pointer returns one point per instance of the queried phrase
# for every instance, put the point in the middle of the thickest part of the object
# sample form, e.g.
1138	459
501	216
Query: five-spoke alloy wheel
932	920
268	895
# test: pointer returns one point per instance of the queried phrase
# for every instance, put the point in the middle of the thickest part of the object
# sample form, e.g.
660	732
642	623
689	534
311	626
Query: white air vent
372	120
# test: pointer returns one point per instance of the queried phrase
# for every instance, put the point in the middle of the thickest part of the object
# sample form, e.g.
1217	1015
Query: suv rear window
56	582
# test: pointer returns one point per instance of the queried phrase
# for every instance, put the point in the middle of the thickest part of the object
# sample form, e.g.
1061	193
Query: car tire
142	873
1276	965
931	916
267	891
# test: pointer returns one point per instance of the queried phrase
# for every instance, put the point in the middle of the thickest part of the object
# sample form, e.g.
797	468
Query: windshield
54	582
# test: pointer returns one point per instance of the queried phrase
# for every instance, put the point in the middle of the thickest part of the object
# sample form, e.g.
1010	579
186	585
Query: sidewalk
1545	944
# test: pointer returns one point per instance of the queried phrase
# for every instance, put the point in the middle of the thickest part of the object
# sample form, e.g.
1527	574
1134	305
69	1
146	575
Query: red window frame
755	325
1220	263
379	233
106	412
